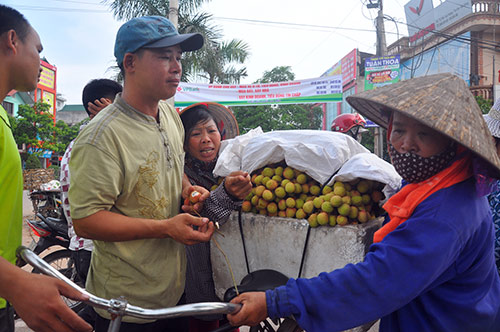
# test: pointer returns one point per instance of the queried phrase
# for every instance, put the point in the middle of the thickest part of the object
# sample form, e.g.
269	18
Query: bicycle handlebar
120	306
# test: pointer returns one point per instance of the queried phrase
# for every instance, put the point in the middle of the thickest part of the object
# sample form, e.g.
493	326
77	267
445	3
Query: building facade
352	69
468	47
460	37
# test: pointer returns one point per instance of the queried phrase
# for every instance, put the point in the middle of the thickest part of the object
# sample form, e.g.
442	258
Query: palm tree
127	9
216	59
216	62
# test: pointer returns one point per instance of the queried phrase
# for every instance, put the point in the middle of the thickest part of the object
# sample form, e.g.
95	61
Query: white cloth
76	242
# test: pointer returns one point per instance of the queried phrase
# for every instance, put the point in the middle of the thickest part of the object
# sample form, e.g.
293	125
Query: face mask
414	168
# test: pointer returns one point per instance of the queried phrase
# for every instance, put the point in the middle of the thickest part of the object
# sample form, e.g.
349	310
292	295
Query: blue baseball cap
152	32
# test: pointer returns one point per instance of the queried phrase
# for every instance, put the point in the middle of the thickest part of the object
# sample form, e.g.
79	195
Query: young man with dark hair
127	171
36	298
97	94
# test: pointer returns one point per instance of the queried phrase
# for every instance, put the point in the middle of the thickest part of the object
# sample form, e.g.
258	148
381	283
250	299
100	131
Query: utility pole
173	12
381	51
173	16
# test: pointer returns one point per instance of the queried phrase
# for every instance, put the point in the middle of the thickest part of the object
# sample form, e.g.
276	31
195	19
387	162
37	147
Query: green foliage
484	104
24	156
128	9
278	117
34	126
368	141
57	171
65	134
277	74
218	61
32	162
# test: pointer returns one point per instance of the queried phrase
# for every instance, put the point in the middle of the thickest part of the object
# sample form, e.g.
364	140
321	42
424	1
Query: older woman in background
205	125
493	121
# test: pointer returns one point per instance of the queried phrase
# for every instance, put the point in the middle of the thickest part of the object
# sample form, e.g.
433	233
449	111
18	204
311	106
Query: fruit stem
228	265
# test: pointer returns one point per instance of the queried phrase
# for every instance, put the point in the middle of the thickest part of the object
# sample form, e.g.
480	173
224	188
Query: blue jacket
435	272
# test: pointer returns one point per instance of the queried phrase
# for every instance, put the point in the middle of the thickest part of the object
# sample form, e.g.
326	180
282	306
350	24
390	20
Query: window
9	107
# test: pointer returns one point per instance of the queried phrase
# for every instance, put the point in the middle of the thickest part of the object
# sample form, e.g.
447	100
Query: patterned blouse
494	199
199	281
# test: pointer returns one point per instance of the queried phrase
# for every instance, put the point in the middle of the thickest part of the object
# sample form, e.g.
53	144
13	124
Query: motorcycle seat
57	224
257	281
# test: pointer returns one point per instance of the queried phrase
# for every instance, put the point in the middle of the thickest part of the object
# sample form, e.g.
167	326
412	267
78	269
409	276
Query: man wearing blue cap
126	179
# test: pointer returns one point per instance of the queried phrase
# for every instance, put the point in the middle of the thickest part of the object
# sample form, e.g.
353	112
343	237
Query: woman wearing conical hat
431	266
493	121
206	124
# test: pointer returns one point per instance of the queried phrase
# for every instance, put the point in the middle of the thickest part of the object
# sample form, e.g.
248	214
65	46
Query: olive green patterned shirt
126	162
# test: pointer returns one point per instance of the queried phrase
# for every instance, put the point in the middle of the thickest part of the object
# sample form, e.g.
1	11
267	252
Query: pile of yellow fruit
286	192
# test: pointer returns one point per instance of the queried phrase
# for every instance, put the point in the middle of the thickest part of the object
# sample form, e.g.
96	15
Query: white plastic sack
230	153
317	153
53	185
369	166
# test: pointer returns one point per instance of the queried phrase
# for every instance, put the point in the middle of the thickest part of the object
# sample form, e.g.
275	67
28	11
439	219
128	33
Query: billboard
313	90
380	71
452	56
347	67
422	17
46	87
47	76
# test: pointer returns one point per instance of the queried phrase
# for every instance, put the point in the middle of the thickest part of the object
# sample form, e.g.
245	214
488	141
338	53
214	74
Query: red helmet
344	122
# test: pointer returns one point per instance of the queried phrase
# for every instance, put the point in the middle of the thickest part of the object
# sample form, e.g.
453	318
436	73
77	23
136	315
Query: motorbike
50	230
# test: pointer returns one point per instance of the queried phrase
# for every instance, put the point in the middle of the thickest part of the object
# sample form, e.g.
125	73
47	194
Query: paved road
27	238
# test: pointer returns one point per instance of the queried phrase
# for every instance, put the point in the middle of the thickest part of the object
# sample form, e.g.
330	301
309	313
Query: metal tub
280	243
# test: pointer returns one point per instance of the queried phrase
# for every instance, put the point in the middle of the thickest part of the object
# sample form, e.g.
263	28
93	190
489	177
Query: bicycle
255	281
119	307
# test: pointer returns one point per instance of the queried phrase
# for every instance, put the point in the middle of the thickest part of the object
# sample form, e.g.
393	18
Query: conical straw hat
223	117
442	102
493	119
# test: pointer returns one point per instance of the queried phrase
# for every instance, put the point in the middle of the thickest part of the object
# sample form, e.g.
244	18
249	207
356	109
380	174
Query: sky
309	36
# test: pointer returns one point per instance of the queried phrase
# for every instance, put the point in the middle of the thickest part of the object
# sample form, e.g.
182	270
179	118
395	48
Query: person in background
492	119
206	124
127	168
431	266
351	124
97	94
36	298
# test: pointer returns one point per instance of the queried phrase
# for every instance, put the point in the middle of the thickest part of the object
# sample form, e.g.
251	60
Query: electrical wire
81	2
481	43
287	25
56	9
315	48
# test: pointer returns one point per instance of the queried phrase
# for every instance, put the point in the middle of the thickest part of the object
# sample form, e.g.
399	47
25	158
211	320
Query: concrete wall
71	117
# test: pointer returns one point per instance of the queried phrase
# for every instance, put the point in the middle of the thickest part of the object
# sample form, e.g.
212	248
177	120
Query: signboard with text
314	90
422	17
452	56
380	71
347	67
46	87
47	77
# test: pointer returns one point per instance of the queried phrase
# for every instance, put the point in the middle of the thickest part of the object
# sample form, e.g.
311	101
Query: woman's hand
238	184
197	206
